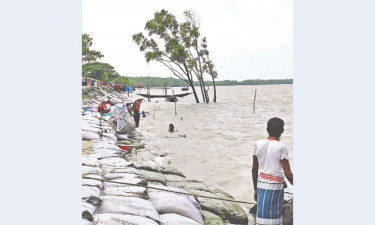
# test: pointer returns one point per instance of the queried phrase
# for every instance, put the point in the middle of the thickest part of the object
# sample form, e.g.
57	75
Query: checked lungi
270	198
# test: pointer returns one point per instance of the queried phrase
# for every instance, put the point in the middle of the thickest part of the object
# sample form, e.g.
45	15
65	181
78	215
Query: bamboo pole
255	96
148	91
175	104
165	88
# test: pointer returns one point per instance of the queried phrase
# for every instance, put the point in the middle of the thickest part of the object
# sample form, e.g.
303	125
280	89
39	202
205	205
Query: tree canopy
89	55
179	47
99	71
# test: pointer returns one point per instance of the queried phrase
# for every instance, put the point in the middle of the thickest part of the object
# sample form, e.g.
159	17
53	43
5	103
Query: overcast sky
247	39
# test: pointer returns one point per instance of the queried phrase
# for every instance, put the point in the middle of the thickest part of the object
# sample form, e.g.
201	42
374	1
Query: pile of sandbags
120	201
91	129
110	194
92	187
183	205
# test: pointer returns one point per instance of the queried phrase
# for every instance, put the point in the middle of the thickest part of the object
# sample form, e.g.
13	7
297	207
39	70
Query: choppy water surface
220	136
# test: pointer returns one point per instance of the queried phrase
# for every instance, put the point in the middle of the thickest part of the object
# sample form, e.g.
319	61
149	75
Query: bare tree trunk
205	91
213	82
202	89
191	83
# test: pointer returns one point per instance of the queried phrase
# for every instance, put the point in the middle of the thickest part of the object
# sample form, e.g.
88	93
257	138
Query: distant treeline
155	81
159	82
251	82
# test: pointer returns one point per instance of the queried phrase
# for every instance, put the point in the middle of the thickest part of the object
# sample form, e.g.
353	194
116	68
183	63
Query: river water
220	136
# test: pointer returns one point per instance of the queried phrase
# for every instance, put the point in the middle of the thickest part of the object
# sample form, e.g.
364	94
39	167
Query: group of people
122	87
92	82
117	85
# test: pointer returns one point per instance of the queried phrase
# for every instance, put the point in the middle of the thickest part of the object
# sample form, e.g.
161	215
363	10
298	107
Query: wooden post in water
148	91
255	96
175	103
165	89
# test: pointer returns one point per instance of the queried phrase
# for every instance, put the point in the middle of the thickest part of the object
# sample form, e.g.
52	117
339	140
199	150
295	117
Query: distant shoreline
243	84
174	82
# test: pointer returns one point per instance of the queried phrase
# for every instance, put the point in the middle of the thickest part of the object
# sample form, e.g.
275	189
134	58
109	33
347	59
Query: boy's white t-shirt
269	153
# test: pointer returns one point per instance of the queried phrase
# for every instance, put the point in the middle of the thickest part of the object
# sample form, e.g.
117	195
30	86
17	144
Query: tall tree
190	34
199	60
89	55
208	64
164	26
182	52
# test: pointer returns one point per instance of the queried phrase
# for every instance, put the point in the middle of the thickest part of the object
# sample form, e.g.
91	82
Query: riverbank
106	167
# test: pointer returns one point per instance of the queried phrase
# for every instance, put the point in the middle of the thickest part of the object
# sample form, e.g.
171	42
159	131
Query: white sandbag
92	183
161	161
86	135
108	129
106	153
122	181
168	202
112	176
107	141
92	176
104	123
88	211
103	155
105	150
115	161
148	165
113	169
121	137
188	196
130	191
88	123
86	222
101	146
128	206
90	161
174	219
94	115
106	118
118	219
91	170
92	129
91	193
110	136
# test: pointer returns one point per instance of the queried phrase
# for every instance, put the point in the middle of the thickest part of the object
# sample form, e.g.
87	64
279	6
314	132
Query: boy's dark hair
275	127
171	127
127	104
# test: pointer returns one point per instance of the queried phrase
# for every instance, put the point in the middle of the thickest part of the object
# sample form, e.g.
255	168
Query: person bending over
130	108
136	108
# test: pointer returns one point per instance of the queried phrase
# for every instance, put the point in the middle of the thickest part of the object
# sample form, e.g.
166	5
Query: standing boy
270	163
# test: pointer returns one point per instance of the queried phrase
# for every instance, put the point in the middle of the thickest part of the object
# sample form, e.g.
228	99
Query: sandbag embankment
94	95
110	173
